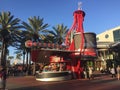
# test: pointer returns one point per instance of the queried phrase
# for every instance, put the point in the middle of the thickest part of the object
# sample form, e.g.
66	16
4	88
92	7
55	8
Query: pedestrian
84	73
2	78
118	72
113	72
90	71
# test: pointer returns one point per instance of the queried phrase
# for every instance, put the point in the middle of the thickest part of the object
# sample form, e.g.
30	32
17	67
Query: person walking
113	72
90	71
118	72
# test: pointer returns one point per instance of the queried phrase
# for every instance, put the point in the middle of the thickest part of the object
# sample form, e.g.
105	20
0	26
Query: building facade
111	35
108	45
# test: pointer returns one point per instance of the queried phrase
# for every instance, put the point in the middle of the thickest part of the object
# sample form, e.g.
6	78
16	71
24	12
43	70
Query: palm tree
36	30
49	38
24	36
18	56
10	58
9	27
59	32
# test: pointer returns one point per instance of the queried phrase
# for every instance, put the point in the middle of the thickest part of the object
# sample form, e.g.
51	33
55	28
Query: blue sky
101	15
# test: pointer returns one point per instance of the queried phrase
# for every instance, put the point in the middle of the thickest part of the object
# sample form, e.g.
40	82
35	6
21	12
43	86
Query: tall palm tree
36	30
20	46
9	27
59	32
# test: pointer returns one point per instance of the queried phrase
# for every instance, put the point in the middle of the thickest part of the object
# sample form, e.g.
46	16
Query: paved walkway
29	83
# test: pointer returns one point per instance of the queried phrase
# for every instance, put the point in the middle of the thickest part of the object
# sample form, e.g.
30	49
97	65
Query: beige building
109	35
108	48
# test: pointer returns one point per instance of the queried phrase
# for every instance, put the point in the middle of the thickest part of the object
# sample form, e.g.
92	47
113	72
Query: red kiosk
66	62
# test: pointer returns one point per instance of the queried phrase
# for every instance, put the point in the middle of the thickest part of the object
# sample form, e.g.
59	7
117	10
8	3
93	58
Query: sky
101	15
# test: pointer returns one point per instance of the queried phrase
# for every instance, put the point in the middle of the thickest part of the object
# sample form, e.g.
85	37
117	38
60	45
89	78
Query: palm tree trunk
30	58
3	54
23	58
27	63
2	49
3	58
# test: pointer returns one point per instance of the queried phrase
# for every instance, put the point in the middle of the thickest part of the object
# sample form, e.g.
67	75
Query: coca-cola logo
28	43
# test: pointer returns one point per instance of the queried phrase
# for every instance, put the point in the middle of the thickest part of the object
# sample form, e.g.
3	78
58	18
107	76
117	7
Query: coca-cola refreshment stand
65	62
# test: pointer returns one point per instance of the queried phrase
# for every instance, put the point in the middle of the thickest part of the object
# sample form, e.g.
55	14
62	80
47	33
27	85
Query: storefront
57	70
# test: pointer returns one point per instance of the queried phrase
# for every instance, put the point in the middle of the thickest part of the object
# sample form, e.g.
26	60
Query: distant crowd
19	70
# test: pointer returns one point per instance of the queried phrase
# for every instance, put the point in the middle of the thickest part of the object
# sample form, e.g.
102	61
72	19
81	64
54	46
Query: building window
116	34
106	36
97	38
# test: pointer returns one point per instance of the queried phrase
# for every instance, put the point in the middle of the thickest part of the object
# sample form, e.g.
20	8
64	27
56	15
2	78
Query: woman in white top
113	72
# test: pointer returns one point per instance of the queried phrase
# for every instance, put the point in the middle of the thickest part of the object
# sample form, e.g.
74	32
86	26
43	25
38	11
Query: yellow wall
102	38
